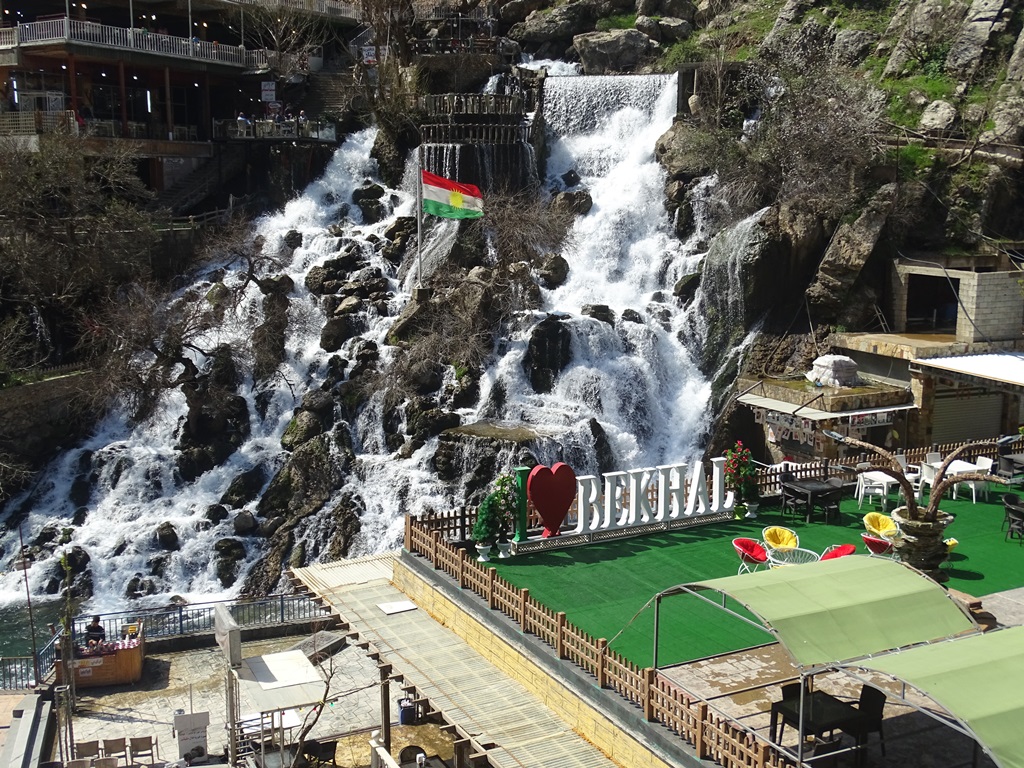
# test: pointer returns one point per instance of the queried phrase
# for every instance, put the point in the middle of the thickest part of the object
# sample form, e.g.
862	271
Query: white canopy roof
1001	368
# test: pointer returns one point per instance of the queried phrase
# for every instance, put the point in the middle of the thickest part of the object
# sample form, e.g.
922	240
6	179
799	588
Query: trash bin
406	712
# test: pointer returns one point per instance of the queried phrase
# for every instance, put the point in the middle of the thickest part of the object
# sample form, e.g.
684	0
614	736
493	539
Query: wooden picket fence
714	735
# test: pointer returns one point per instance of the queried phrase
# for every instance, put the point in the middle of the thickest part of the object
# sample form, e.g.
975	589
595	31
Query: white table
784	556
956	467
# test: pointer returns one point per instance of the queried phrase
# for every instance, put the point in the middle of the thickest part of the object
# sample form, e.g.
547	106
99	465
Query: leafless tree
289	34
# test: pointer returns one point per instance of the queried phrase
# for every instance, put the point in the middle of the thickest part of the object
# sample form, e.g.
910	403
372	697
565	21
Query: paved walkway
459	681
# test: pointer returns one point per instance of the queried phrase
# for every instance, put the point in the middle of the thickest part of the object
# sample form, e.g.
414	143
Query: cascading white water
635	378
136	489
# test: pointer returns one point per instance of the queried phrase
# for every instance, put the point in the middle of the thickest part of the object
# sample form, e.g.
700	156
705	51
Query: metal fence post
281	617
181	620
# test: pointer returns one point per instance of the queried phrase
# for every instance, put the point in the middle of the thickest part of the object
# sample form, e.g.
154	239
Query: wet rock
140	586
686	287
319	402
81	490
575	203
293	238
570	178
547	353
230	553
78	519
243	489
216	513
632	316
167	537
76	560
554	271
337	331
426	376
158	564
269	527
301	429
600	312
400	235
245	523
305	482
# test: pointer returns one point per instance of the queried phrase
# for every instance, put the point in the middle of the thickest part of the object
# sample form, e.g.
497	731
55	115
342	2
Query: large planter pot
483	552
921	543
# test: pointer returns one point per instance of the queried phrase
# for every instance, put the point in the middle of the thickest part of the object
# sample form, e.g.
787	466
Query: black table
822	712
813	491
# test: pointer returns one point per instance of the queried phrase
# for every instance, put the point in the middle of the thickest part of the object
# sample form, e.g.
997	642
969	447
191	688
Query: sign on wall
268	90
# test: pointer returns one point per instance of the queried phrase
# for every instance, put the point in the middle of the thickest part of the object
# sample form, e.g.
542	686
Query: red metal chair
878	547
838	550
752	555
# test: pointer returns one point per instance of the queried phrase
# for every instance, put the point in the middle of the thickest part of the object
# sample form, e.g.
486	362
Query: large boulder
575	203
938	117
556	25
676	151
846	255
230	554
614	51
984	20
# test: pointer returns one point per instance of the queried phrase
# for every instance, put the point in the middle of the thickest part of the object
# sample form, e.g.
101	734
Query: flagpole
419	217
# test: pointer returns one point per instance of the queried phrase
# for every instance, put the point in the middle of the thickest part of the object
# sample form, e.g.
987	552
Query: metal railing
268	129
31	123
137	39
333	8
198	618
18	673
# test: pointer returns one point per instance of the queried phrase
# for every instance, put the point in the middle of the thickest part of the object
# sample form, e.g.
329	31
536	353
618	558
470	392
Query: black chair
871	708
1009	500
322	752
1015	518
408	754
828	748
830	501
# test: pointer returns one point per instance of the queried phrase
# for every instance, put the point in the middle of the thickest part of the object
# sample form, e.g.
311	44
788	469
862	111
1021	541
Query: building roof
1000	370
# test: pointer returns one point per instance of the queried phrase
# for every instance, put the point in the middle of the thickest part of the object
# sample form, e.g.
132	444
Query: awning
979	680
998	370
813	414
284	680
844	609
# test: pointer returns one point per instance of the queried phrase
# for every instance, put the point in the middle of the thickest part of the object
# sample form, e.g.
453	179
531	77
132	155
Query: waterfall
629	373
633	375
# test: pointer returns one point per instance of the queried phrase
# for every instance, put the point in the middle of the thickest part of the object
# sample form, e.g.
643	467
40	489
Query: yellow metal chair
777	537
881	525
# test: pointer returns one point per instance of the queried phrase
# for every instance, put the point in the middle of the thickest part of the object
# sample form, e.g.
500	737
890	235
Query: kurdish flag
450	199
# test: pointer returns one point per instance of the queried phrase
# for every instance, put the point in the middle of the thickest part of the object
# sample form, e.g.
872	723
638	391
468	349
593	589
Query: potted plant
741	479
922	529
494	518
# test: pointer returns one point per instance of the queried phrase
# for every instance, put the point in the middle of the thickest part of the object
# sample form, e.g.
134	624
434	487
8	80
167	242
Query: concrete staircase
330	91
31	735
201	183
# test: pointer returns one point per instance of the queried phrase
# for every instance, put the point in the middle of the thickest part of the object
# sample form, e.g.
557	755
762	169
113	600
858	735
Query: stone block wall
995	303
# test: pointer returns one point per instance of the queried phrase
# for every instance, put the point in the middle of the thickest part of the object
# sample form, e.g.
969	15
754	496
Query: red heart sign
551	490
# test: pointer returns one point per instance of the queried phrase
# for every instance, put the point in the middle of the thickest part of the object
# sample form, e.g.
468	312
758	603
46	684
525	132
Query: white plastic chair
984	466
868	488
911	471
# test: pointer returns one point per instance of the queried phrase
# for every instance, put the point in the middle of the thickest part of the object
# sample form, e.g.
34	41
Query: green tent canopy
979	680
844	609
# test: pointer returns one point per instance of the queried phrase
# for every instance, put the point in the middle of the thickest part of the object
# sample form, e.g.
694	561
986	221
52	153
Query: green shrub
623	21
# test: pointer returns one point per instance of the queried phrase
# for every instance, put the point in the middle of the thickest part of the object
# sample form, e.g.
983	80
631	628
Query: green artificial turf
605	588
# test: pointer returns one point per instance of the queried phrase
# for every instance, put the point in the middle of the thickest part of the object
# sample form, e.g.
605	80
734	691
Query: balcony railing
122	38
31	123
333	8
268	129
